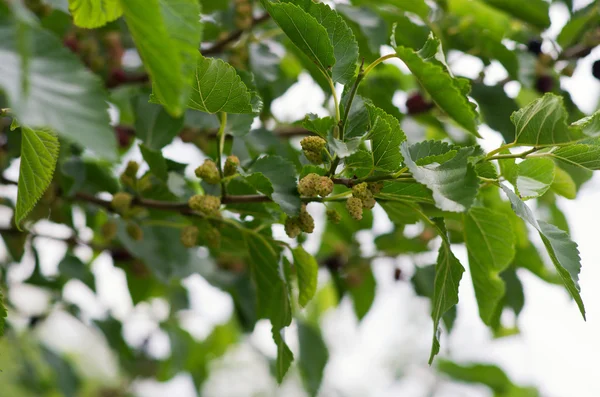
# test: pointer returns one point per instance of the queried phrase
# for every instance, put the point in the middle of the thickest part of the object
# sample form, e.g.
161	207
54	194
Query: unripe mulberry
314	157
361	191
313	144
109	230
376	187
208	205
354	206
209	172
324	186
213	238
189	236
134	231
307	223
308	185
292	227
231	165
369	203
121	201
132	169
333	216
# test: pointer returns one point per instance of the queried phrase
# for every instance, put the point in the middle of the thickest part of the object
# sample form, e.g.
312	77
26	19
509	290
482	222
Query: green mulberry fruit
189	236
207	205
109	230
231	165
121	201
333	216
361	191
213	238
308	185
209	172
354	206
376	187
306	221
324	186
313	144
134	231
292	227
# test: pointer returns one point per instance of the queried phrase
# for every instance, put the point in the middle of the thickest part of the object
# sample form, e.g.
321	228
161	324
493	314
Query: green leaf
71	267
563	184
62	94
490	241
276	177
534	12
544	122
153	125
584	154
307	270
39	153
313	357
363	292
407	192
92	14
3	314
562	250
488	375
160	250
535	176
496	108
156	162
454	183
319	125
345	47
423	282
272	294
448	92
448	273
386	135
218	88
305	32
167	35
370	29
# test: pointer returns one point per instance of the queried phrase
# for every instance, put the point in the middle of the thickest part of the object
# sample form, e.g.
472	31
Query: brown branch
220	45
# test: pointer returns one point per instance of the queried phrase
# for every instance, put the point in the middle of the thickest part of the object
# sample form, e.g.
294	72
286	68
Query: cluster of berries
294	225
313	185
313	148
209	172
362	198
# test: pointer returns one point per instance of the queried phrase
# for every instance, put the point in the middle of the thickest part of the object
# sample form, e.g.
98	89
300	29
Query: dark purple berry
544	84
596	69
535	47
416	104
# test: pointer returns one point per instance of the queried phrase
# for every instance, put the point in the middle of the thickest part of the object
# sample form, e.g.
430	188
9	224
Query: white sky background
386	354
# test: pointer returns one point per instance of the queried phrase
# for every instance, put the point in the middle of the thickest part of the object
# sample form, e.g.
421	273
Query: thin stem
336	101
501	148
512	156
220	145
377	62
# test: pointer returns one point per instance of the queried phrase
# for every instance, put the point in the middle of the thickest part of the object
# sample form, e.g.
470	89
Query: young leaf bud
355	208
231	165
209	172
208	205
189	236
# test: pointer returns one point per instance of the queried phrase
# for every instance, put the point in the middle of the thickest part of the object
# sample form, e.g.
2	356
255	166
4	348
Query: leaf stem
220	145
501	148
377	62
512	156
336	101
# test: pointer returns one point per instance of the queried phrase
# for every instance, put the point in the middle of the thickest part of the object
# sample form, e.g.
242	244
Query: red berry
124	135
544	84
416	104
71	43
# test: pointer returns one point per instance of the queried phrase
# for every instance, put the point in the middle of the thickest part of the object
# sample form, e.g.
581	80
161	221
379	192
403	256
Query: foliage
208	75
